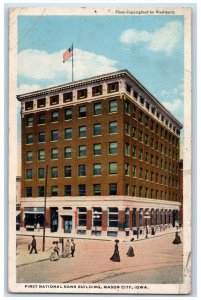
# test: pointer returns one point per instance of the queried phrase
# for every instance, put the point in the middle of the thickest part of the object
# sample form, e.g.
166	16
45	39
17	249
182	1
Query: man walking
33	245
72	247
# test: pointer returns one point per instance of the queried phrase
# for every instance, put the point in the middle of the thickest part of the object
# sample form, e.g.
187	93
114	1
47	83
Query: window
128	88
127	189
152	176
127	128
112	217
134	190
54	172
97	90
140	116
82	216
140	154
41	102
29	121
146	174
97	108
82	112
153	110
28	105
82	131
54	135
41	119
146	193
140	191
152	125
28	192
67	171
97	169
134	111
140	136
41	137
29	156
112	87
152	142
29	138
113	148
41	191
134	133
68	114
146	139
157	177
134	151
41	173
147	106
113	127
146	156
96	189
68	133
135	94
113	106
54	190
97	129
41	154
127	107
97	217
81	94
28	173
82	151
126	169
140	172
142	100
82	190
113	189
152	159
113	168
67	190
152	193
67	152
82	170
97	149
54	100
127	149
134	171
68	97
54	116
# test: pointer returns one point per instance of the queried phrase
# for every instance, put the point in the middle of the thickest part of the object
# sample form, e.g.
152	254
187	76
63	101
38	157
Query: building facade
110	152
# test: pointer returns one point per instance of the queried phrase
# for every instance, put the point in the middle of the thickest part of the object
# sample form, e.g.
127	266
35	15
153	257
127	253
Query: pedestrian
130	249
72	247
54	256
152	231
38	226
115	256
33	245
67	250
177	239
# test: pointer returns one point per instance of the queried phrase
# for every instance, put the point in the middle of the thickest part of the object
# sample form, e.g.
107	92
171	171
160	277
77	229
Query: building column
121	221
104	223
22	218
131	222
137	218
89	221
60	223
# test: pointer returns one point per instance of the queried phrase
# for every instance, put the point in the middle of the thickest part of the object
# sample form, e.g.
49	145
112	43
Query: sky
150	47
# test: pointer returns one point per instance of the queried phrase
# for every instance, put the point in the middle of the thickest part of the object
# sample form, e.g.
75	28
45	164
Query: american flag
67	54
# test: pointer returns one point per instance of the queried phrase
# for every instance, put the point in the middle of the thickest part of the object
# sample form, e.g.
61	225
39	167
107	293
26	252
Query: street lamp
96	216
146	217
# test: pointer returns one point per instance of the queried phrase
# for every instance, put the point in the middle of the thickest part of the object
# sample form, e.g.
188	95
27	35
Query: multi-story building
111	151
18	200
181	192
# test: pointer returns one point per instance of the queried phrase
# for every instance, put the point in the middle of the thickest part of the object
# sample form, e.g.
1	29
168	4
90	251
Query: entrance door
68	224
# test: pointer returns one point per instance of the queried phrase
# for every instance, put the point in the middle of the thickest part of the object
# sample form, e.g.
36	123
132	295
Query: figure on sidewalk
72	247
177	239
130	249
115	256
67	250
33	245
55	253
38	226
152	231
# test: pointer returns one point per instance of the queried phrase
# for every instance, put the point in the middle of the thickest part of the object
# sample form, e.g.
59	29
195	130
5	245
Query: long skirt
115	257
54	256
130	251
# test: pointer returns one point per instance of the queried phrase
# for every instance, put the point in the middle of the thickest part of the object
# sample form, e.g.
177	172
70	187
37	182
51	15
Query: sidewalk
24	239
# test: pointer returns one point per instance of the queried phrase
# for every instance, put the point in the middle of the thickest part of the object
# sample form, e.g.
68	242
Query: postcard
100	150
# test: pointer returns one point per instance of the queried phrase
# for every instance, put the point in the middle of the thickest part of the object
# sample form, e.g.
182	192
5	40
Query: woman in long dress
115	256
130	250
55	253
177	239
67	250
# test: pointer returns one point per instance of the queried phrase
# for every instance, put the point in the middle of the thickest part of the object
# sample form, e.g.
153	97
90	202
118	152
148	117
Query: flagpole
72	64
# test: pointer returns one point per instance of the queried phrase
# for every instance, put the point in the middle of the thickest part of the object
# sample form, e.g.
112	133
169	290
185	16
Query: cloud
40	65
173	106
26	88
163	39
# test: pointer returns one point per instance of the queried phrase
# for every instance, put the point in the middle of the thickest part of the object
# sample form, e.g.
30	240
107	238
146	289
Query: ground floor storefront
111	216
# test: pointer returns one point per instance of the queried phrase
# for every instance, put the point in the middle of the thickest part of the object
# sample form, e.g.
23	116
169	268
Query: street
156	260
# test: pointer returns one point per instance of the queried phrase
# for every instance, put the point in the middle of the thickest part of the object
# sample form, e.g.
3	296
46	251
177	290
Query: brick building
111	151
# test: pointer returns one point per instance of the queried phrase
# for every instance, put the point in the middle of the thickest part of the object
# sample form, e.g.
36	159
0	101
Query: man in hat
33	245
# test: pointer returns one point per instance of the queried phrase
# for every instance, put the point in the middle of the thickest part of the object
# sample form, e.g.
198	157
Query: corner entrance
68	221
